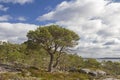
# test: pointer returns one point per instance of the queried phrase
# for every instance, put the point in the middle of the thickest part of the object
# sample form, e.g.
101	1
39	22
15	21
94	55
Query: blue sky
116	0
95	21
30	11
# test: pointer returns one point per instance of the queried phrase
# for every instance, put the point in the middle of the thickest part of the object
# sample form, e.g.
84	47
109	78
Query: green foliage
34	62
58	76
112	67
54	39
71	61
48	36
16	76
92	63
10	52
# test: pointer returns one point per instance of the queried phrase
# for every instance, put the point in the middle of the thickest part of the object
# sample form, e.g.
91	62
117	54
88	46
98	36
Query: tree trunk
58	58
56	63
50	63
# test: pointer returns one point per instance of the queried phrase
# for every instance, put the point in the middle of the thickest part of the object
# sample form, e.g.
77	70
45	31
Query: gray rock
101	73
85	70
7	68
110	79
72	69
93	73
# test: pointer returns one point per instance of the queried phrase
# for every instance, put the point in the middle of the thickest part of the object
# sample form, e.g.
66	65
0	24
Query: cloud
8	18
15	32
112	42
77	8
3	8
96	21
21	18
17	1
5	18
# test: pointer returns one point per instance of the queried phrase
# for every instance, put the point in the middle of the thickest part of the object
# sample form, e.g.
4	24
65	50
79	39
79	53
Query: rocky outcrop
111	79
93	72
84	70
7	68
101	73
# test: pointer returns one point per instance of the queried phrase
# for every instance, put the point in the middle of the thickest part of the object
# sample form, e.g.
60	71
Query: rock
85	70
110	79
93	73
7	68
73	69
101	73
2	70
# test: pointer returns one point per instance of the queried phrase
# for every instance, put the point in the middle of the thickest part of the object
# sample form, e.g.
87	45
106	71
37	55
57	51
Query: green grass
43	75
59	75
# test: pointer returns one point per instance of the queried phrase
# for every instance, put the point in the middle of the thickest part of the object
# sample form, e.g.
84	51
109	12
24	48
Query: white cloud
8	17
17	1
77	8
21	18
15	32
3	8
96	21
5	18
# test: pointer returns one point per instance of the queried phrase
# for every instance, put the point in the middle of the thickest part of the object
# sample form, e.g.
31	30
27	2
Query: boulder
101	73
84	70
7	68
72	69
93	73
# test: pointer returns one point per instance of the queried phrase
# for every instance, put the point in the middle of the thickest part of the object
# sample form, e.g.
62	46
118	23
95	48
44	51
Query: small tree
54	39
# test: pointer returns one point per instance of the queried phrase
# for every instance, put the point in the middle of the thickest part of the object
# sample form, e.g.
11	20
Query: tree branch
55	50
58	57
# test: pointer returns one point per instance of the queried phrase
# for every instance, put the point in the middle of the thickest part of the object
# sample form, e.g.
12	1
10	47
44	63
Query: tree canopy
54	39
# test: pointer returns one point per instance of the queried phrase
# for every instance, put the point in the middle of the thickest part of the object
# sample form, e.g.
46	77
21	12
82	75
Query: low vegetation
31	63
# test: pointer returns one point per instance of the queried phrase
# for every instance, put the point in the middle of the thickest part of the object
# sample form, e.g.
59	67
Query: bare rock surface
111	79
93	72
7	68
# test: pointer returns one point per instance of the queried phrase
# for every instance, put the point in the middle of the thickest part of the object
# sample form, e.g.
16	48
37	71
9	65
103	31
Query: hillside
19	62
